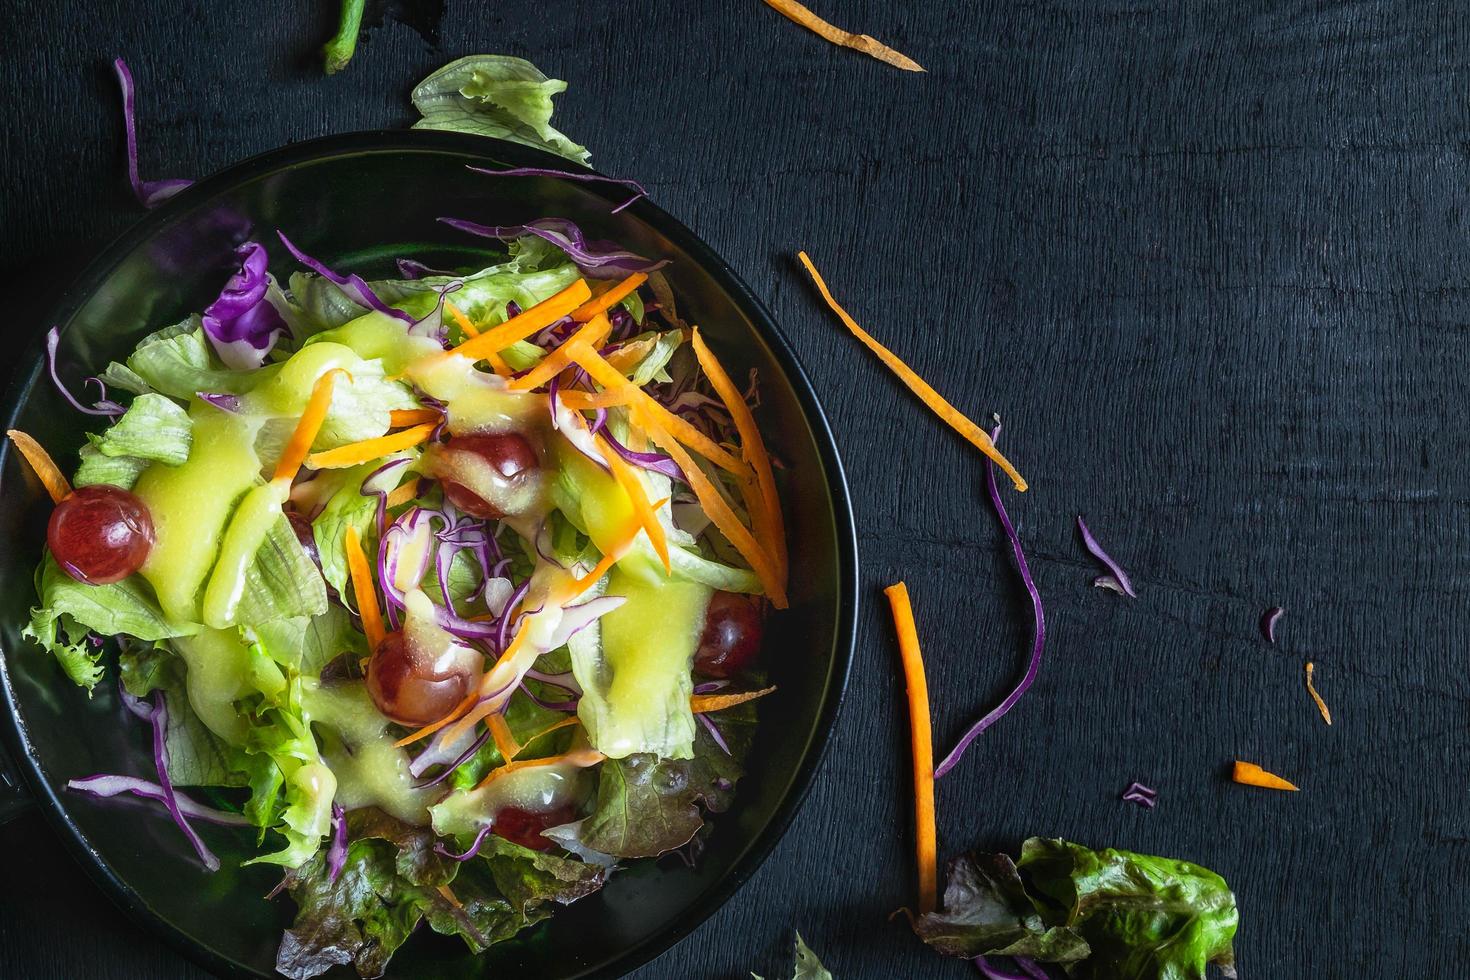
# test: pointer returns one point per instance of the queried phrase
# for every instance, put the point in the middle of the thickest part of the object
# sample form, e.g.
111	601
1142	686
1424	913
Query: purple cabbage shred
1116	579
150	193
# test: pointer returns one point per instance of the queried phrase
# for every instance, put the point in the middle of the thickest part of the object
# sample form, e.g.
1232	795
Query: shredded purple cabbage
599	260
1141	794
103	407
1031	968
337	851
242	325
104	785
1039	637
714	733
1268	622
566	681
995	973
223	402
1117	579
158	718
150	193
459	760
653	462
355	286
413	269
439	848
636	187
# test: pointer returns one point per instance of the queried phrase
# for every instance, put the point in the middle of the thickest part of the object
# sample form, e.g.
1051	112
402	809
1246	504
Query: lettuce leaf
1105	914
808	967
495	95
119	471
177	361
153	428
347	507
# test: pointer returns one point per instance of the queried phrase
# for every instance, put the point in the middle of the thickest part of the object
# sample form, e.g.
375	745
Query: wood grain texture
1207	260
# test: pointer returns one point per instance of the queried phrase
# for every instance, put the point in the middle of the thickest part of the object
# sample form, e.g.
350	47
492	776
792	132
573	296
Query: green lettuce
153	428
177	361
282	582
119	471
339	50
495	95
1105	914
345	508
808	967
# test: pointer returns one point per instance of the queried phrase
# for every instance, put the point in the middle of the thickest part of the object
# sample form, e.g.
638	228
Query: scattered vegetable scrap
1268	623
1250	774
340	49
935	401
55	482
922	743
1117	579
858	42
150	193
1142	795
1312	690
1038	640
808	967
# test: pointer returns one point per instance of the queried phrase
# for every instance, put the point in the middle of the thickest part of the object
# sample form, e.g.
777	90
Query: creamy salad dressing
370	769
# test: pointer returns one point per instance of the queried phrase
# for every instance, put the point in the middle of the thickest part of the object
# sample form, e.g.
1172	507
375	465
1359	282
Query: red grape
508	454
524	827
733	625
100	534
410	698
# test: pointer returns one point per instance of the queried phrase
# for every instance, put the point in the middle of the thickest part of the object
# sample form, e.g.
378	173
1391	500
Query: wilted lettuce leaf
529	879
987	912
808	967
1106	915
495	95
647	806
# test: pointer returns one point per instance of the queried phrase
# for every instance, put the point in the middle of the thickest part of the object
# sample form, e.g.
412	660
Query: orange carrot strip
591	333
768	521
403	494
1312	690
1250	774
504	740
57	485
464	715
590	400
723	517
951	415
307	427
651	412
869	46
400	418
704	703
521	326
370	449
469	328
606	300
922	741
553	727
362	587
577	757
642	509
626	357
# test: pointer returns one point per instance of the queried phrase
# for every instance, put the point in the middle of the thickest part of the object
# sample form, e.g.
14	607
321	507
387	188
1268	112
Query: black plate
356	202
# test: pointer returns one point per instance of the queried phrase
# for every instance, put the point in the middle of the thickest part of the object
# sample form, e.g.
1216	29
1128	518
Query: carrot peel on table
921	741
868	45
1250	774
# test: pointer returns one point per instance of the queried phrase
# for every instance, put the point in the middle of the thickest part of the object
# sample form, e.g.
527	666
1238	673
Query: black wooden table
1207	261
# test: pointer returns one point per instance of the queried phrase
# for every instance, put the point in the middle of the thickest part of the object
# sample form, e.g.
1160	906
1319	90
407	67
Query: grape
302	528
100	534
733	625
524	827
407	697
509	456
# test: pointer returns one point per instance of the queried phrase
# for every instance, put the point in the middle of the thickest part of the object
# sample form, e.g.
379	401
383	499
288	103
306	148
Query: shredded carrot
922	741
470	330
767	518
650	412
555	726
589	400
456	713
626	357
521	326
724	518
591	333
1312	690
362	588
607	299
403	494
705	703
1250	774
642	509
51	478
504	740
400	418
933	399
370	449
474	706
869	46
577	757
448	895
307	426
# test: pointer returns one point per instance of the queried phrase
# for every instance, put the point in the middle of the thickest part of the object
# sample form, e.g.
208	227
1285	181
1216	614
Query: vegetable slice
51	478
522	325
609	298
645	512
339	50
307	427
370	449
400	418
1268	622
768	521
951	415
1117	579
591	334
150	193
1312	690
1250	774
705	703
922	742
362	588
869	46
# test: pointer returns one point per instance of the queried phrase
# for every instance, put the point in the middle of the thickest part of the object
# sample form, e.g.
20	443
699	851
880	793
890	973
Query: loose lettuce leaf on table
808	967
1105	914
495	95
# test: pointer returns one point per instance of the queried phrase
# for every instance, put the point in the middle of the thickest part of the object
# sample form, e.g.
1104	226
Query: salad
444	593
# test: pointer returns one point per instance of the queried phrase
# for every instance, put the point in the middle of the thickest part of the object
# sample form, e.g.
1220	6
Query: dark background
1207	261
